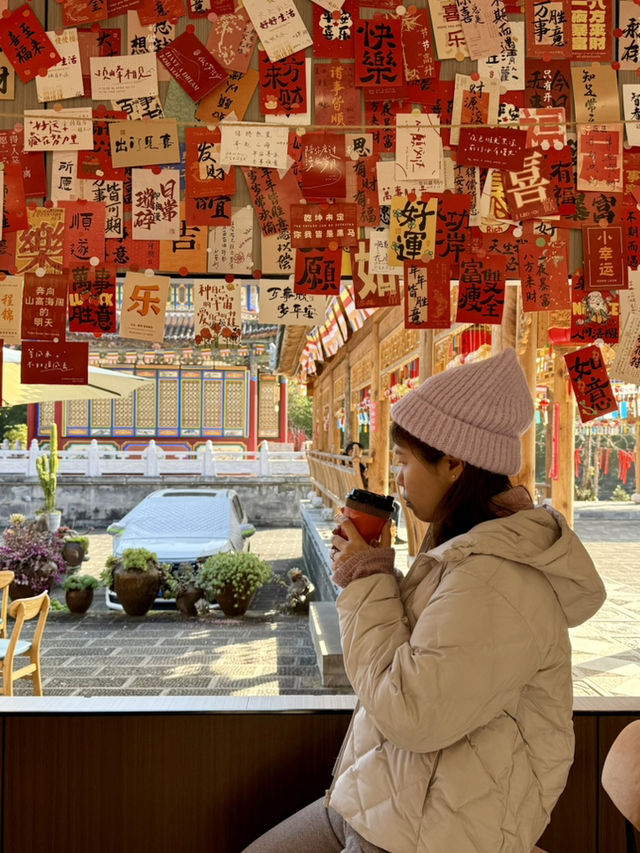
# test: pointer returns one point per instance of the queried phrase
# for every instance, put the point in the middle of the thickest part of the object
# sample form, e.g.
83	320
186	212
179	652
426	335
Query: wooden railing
333	476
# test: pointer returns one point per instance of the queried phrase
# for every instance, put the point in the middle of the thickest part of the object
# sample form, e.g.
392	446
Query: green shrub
80	582
620	494
242	571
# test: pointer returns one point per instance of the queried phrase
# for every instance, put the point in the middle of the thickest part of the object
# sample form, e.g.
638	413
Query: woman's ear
455	466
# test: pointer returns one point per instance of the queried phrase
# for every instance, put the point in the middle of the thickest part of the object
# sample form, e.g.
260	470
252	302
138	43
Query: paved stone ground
266	653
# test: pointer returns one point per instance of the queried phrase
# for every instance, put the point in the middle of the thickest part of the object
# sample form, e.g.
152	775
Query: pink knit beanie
475	412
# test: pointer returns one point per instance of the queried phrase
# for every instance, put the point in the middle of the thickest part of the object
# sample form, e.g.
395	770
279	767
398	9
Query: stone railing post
264	466
93	468
34	452
151	458
208	461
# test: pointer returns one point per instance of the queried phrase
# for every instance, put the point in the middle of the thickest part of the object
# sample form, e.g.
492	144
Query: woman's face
421	484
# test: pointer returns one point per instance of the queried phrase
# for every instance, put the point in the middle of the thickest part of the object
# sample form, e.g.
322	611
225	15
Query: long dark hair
469	500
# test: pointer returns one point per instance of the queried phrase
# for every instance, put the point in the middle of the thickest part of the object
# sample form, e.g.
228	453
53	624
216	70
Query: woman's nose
399	478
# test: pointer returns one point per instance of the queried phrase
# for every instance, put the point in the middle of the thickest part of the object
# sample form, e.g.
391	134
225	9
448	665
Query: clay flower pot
232	605
72	553
187	599
79	600
136	590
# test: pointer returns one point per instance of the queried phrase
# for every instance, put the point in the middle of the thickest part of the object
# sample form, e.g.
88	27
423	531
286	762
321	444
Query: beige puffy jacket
463	737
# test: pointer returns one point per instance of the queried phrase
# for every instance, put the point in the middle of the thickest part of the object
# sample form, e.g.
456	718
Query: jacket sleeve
466	660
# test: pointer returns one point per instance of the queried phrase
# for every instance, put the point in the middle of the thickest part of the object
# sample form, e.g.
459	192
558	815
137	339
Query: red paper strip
92	300
84	229
382	113
452	228
362	190
595	314
548	29
548	84
333	32
323	165
318	272
427	295
76	12
192	66
25	43
44	315
204	175
481	289
590	383
154	11
631	217
605	262
47	363
272	197
337	100
14	210
492	148
379	52
418	51
283	85
314	225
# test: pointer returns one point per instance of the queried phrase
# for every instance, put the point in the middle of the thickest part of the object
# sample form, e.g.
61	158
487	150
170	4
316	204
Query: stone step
325	634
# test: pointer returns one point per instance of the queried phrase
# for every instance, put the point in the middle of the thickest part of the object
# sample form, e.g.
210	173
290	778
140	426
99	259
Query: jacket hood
542	539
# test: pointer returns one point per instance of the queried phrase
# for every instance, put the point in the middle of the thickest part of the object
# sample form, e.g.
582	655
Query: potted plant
185	586
232	578
34	554
137	578
79	592
47	468
75	548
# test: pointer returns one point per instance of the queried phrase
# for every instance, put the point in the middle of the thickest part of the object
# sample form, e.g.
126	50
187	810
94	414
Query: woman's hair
350	446
469	500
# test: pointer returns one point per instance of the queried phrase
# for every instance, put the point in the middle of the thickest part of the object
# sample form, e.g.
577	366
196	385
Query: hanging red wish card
323	165
44	315
317	225
595	314
97	41
32	165
380	117
590	383
25	43
76	12
317	271
548	84
204	172
46	363
591	28
232	40
452	228
481	289
528	190
337	100
208	210
154	11
427	296
83	233
92	300
362	189
372	290
605	262
333	32
272	197
125	253
283	85
548	27
418	47
543	276
492	148
599	164
14	209
378	44
98	163
192	66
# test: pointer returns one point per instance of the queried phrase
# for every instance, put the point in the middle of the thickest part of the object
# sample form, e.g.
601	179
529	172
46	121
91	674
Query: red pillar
58	419
284	409
32	422
253	411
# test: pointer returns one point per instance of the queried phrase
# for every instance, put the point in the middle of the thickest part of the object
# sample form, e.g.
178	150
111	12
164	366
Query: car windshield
182	514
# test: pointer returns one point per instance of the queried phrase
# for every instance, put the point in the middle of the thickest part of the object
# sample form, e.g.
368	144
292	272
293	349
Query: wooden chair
22	610
6	578
621	779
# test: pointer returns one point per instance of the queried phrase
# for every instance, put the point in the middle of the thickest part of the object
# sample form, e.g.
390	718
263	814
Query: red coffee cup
369	512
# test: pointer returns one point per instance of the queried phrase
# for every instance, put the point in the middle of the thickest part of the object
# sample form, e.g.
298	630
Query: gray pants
314	829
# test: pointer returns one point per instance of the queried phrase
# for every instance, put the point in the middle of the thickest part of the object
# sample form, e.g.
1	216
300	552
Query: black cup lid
362	496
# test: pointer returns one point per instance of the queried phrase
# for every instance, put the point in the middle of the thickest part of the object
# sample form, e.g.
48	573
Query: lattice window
234	404
123	412
101	414
168	401
191	403
268	415
46	416
213	396
146	407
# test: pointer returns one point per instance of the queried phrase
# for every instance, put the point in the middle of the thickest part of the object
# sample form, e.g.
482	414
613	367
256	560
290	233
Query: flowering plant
32	553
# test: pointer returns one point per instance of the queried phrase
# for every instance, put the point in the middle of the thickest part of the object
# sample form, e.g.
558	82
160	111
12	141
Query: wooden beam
527	352
564	410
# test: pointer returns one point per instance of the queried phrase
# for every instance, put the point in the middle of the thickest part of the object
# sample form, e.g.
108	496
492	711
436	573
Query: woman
462	738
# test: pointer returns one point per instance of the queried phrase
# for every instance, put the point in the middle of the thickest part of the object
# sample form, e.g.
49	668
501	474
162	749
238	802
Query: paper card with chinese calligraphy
231	98
14	208
548	84
154	11
419	154
546	127
318	271
412	232
379	252
590	383
144	305
528	191
217	308
188	254
378	48
41	245
427	296
137	109
96	41
279	26
231	247
630	299
142	143
418	46
11	287
548	25
279	304
110	194
92	300
474	102
32	167
64	130
626	364
595	94
150	38
447	30
65	79
76	12
155	204
204	174
116	76
631	106
464	180
595	314
97	163
628	43
605	263
540	286
254	145
481	289
283	84
83	233
631	218
333	33
277	256
232	41
371	290
202	8
126	253
48	363
382	113
480	27
452	228
272	197
7	79
492	148
44	315
591	28
323	165
600	158
508	66
25	43
362	189
317	225
337	100
208	210
192	66
8	252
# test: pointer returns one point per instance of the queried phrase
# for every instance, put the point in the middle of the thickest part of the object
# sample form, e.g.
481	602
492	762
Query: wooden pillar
252	438
562	488
527	351
32	422
425	353
284	409
331	442
379	434
504	335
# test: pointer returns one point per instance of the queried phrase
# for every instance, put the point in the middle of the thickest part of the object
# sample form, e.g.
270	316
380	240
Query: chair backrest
23	609
621	773
6	578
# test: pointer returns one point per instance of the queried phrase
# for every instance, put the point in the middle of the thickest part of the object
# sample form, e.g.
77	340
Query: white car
182	526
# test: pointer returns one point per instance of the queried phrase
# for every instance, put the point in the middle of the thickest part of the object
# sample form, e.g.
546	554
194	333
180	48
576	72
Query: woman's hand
347	542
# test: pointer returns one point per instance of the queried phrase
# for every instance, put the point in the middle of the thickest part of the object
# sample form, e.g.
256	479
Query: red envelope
44	303
318	272
192	66
25	43
418	46
590	383
47	363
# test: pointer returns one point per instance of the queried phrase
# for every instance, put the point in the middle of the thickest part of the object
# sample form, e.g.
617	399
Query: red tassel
576	460
606	460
